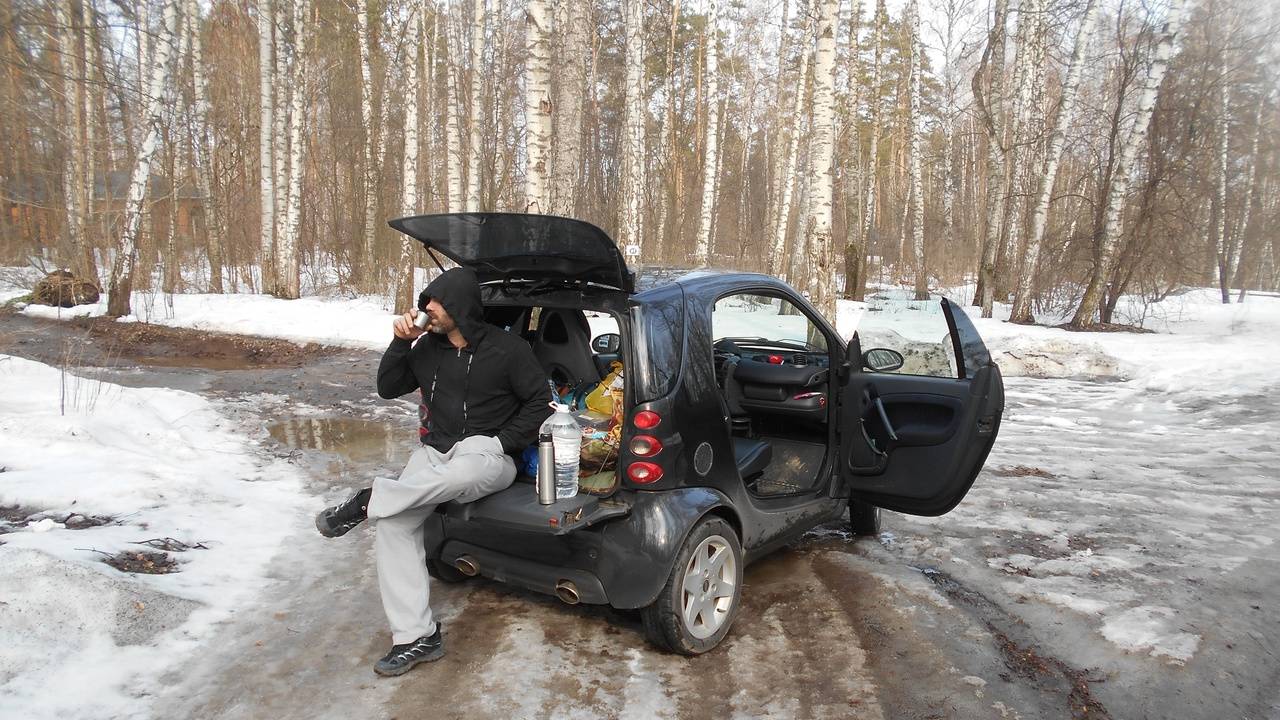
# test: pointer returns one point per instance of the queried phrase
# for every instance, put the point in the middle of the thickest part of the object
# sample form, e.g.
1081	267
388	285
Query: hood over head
459	292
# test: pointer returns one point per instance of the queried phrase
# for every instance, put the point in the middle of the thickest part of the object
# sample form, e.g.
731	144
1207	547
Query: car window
915	328
773	323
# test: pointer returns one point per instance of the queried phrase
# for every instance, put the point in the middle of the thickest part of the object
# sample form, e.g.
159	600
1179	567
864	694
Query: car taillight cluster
644	472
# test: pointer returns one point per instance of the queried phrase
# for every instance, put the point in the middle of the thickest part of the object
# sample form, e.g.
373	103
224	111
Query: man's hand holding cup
411	324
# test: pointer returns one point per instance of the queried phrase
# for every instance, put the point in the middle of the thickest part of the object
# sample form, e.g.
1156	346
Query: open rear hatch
519	247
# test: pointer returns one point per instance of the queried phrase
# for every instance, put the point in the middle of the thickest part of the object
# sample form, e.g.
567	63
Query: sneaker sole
402	670
325	529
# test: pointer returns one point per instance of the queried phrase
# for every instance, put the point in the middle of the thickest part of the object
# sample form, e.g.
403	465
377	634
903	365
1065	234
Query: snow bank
1198	341
81	638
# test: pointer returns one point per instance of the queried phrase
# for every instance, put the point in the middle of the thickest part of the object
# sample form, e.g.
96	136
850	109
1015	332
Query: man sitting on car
483	396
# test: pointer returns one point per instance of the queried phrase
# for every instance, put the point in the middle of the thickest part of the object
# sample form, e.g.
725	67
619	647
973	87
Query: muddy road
956	617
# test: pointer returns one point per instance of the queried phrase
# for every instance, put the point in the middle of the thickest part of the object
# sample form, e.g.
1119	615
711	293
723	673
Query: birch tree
454	159
203	157
120	285
537	107
266	169
818	225
570	97
73	147
917	188
409	199
785	186
1044	188
993	65
365	261
476	106
287	250
1111	228
702	246
858	280
631	219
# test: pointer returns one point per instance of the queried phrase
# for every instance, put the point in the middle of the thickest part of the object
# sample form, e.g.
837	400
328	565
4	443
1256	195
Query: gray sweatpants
473	468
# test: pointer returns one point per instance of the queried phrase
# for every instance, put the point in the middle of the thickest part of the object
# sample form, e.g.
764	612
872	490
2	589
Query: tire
864	518
444	572
708	551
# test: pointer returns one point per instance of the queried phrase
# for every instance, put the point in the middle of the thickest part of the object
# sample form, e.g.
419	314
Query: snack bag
601	399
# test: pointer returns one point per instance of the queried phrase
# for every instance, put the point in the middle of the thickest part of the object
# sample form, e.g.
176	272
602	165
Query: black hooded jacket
493	386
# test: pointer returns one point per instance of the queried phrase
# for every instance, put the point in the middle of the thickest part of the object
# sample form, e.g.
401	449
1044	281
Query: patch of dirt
161	345
78	521
1107	327
12	516
142	561
1022	471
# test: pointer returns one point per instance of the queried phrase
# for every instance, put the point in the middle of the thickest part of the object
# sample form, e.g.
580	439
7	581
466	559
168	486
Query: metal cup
422	320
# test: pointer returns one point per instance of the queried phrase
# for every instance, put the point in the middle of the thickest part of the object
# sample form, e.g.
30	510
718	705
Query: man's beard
441	326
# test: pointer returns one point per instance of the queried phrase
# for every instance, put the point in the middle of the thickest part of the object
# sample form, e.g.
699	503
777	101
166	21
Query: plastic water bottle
566	436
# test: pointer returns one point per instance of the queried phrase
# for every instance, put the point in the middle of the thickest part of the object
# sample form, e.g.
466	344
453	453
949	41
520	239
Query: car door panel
913	443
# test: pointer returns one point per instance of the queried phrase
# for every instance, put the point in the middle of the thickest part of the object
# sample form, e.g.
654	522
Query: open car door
915	443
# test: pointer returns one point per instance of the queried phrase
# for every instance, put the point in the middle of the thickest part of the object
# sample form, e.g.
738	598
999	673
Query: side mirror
882	359
606	344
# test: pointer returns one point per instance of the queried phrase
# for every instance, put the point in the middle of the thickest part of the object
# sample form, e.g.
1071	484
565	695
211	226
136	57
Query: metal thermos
546	469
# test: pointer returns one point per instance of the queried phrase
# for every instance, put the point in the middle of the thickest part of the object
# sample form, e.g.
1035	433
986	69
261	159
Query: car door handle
884	418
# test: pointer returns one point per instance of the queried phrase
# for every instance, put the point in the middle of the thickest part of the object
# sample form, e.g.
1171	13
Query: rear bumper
528	574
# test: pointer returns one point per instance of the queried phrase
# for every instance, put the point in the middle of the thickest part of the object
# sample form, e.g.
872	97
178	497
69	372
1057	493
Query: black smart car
746	421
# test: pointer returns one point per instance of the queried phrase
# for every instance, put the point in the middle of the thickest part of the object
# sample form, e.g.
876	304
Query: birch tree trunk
409	201
202	143
287	270
279	135
454	159
120	285
366	261
570	98
821	153
786	183
1027	64
992	61
859	280
73	148
475	121
778	154
630	217
89	85
670	164
702	247
917	189
851	187
266	176
1044	190
537	107
1112	226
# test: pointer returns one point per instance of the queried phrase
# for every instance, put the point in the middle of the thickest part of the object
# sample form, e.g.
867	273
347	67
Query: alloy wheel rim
710	587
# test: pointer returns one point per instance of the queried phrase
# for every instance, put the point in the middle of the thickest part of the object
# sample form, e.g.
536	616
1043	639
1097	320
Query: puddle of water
359	441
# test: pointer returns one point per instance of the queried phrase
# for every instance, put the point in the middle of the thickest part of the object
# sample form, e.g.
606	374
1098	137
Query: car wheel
864	518
697	605
444	572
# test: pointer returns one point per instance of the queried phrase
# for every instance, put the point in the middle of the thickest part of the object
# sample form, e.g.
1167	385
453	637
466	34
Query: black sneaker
336	521
402	658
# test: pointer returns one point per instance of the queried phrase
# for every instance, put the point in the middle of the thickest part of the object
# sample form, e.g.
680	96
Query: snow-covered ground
81	638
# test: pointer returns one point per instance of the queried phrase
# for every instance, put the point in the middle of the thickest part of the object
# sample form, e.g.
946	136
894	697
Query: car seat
563	347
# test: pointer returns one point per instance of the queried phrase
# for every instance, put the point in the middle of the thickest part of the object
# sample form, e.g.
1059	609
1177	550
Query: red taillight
645	445
646	419
644	473
775	359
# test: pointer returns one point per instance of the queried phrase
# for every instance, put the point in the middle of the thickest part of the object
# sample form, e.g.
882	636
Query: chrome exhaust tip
567	591
466	566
